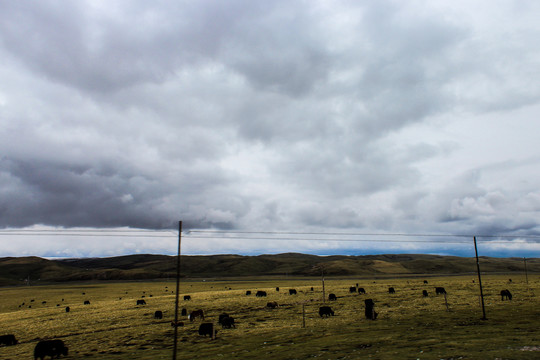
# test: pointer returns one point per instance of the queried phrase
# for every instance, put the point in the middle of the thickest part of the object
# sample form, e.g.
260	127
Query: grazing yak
248	292
226	321
141	302
370	309
425	282
8	340
196	313
158	314
187	297
222	316
332	297
326	311
439	290
86	302
361	291
292	291
506	294
52	348
272	304
391	290
67	309
424	293
260	293
277	289
207	329
184	312
352	289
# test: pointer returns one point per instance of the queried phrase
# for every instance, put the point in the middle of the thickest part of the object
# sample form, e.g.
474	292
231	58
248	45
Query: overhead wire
279	235
362	234
89	232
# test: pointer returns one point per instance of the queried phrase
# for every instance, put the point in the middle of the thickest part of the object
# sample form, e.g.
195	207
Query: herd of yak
56	348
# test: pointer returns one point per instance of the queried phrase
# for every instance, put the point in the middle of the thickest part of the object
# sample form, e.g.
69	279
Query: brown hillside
16	271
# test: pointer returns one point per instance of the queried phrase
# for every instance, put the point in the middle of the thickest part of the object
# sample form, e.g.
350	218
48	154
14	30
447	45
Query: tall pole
526	276
177	290
479	280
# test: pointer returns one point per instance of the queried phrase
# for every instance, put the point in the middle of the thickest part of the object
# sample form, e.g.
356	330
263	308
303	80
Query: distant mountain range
18	270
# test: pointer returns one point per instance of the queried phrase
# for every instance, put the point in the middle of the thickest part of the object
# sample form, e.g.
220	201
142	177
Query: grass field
409	325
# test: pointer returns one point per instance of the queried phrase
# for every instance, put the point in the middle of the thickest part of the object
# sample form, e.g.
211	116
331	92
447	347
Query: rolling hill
18	270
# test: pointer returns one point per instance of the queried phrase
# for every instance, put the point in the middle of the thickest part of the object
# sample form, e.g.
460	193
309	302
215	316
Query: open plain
409	325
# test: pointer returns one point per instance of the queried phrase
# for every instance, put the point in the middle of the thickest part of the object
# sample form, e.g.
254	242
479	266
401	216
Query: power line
360	234
238	235
91	235
324	240
347	240
89	232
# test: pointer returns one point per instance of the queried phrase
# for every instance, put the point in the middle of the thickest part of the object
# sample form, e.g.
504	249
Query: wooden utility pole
479	280
177	290
526	276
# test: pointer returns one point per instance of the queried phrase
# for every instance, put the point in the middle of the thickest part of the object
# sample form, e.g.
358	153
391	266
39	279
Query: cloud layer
415	117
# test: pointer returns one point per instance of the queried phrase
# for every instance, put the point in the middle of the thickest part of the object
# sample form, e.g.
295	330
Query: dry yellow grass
409	325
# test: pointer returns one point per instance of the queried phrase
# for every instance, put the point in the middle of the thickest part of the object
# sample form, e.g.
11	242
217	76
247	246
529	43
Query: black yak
439	290
207	329
370	309
326	311
506	294
52	348
8	340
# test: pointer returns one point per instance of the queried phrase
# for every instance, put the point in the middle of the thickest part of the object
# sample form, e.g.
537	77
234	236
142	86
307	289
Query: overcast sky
413	117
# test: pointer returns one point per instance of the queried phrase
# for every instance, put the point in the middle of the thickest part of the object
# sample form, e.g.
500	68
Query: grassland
409	326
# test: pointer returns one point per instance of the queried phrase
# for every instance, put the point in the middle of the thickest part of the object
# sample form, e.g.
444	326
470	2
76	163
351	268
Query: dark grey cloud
106	195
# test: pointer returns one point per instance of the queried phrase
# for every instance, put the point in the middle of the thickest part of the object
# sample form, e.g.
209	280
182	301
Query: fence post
323	292
303	315
479	280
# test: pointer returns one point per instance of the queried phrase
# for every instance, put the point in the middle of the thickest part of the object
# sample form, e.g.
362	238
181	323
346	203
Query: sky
313	117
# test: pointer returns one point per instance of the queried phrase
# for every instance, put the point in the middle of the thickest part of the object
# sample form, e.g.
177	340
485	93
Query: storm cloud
414	117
